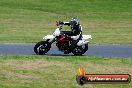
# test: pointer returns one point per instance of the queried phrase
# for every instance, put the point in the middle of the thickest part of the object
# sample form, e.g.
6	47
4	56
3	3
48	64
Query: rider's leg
72	46
74	43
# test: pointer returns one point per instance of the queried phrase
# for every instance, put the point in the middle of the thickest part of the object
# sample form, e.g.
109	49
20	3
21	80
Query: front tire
79	50
42	47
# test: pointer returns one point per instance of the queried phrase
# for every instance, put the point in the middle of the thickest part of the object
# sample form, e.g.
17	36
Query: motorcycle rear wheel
79	50
42	47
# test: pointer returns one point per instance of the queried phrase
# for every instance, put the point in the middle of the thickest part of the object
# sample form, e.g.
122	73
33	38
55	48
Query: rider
76	30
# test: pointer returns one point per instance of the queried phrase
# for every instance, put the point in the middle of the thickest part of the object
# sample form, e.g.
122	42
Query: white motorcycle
63	42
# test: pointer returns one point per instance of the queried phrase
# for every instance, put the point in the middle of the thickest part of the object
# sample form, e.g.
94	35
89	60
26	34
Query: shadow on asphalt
58	55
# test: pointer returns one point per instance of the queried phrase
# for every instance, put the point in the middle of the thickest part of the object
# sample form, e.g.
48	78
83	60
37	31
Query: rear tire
79	50
42	47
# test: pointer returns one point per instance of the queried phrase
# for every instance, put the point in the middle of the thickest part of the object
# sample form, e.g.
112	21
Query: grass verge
58	72
27	21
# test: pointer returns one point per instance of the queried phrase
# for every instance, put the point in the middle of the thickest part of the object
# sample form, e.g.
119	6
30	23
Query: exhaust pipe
82	42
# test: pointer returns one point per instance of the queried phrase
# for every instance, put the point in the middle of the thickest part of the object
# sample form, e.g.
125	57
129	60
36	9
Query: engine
62	46
63	43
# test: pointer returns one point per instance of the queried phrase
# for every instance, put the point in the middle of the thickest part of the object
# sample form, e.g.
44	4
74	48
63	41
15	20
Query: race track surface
119	51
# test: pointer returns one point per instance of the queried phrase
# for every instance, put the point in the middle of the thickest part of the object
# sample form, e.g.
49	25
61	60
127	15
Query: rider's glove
61	23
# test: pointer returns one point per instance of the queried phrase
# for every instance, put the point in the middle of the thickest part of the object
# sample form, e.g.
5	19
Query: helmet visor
73	23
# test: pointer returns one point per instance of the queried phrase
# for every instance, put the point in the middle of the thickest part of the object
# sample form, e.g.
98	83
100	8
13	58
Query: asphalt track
116	51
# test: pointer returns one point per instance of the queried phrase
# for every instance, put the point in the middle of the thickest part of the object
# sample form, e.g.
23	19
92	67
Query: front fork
52	41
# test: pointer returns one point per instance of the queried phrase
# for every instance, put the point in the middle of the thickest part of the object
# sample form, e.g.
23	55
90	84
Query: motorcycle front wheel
79	50
42	47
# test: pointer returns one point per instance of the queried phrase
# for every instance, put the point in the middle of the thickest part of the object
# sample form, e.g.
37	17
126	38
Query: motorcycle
63	43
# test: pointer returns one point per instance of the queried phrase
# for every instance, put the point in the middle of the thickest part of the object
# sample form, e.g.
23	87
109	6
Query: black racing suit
76	31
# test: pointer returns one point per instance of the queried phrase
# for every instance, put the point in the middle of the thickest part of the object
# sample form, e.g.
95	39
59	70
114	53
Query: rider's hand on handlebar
59	23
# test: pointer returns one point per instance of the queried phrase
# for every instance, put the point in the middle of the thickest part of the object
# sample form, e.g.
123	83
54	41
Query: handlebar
59	23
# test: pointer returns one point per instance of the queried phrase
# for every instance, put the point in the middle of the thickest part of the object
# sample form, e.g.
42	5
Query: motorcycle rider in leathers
76	30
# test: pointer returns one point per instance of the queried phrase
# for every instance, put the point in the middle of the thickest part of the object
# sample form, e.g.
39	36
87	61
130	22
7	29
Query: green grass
26	21
58	72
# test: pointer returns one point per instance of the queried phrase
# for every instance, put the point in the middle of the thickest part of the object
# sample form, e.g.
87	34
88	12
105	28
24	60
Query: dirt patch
32	64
